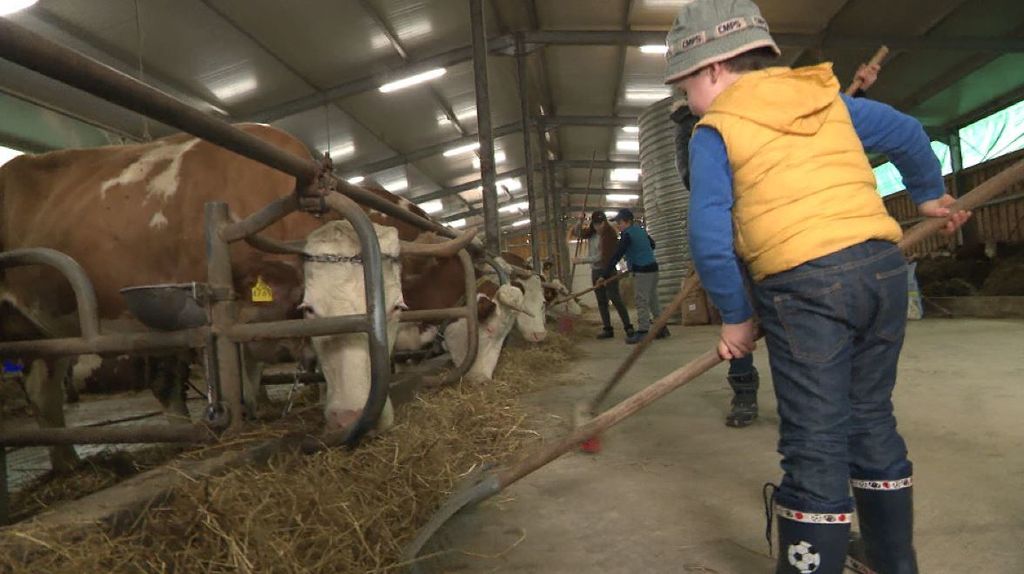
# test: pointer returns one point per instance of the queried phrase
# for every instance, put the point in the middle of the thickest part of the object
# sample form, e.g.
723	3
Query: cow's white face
532	328
334	289
494	329
572	307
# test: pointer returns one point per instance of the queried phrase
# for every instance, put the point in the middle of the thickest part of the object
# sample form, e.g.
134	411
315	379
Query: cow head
557	290
335	287
531	324
497	310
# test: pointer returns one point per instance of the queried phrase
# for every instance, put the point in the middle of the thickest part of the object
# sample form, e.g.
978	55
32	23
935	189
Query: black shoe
886	512
606	334
636	337
630	332
663	334
744	401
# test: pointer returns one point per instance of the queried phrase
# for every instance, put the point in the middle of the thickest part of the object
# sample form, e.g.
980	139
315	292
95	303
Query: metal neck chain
332	258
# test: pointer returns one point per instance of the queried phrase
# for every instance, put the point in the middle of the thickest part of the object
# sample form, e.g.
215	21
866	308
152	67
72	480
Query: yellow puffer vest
802	185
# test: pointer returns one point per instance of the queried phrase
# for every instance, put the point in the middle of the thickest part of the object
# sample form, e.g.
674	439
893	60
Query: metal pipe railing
107	435
472	327
85	295
114	343
298	328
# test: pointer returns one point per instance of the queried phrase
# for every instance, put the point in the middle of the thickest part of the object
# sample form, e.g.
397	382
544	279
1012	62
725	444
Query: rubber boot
744	401
886	542
811	543
606	334
636	337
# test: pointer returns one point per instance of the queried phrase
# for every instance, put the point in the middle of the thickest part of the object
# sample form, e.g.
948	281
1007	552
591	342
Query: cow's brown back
128	234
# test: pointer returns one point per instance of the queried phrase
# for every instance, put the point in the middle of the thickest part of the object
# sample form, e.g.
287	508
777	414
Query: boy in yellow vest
781	184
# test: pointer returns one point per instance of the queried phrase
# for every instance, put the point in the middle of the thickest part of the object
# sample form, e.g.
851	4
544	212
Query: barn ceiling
312	67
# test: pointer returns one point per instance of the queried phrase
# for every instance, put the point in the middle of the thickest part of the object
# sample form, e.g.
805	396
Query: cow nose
341	419
538	336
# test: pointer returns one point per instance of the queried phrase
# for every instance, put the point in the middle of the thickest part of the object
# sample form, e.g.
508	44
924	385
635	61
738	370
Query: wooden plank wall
1001	220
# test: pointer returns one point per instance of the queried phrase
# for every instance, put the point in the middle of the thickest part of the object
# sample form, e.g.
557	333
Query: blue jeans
834	328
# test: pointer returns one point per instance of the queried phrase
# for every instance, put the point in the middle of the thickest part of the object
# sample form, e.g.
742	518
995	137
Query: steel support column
549	194
483	119
531	191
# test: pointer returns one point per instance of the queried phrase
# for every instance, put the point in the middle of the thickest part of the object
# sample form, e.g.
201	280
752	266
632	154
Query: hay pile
338	511
93	474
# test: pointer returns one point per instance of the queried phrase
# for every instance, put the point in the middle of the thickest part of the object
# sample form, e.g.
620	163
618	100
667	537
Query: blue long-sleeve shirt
880	128
622	248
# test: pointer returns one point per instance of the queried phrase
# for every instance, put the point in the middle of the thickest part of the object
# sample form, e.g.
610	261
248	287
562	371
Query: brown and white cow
531	326
133	215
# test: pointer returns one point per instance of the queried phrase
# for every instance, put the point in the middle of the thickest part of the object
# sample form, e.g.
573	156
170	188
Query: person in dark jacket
638	249
601	243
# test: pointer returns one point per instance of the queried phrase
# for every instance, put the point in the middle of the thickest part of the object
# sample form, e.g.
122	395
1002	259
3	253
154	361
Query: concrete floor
676	491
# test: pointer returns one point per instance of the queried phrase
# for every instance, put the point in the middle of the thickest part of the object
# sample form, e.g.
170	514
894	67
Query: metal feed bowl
168	307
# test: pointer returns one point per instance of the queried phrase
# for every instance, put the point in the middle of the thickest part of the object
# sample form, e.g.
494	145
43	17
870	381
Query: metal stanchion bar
107	435
298	328
434	315
85	295
114	343
472	327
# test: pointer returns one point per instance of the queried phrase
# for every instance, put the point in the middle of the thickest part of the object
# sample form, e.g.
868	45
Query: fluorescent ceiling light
654	49
461	115
462	149
625	174
521	223
357	179
511	184
629	146
514	207
647	94
499	157
226	91
631	129
622	197
457	223
343	150
396	185
12	6
431	206
413	80
7	154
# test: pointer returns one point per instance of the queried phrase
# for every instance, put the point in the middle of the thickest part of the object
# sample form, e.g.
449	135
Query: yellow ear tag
261	292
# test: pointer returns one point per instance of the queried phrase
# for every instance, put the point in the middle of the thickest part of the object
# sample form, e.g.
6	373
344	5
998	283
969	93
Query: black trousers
611	293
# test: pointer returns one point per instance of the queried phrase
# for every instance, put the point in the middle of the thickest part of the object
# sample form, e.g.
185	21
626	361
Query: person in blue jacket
638	249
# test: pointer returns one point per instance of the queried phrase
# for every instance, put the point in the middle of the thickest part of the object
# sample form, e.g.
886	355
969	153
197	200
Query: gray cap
709	31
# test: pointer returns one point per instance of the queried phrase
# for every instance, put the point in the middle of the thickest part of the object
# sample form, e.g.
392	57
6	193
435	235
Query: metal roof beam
596	191
594	121
372	82
641	38
445	192
599	164
423	153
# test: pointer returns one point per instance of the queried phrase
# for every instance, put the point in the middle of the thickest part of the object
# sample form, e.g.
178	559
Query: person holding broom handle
743	378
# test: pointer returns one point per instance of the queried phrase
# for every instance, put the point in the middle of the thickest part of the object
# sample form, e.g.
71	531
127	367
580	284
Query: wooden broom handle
875	60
